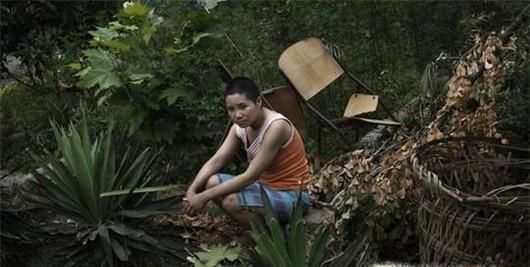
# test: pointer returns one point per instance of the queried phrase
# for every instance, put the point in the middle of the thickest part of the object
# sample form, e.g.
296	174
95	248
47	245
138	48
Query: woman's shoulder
240	132
280	128
273	116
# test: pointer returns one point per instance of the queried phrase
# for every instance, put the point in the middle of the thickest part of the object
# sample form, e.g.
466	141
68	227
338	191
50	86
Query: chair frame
339	122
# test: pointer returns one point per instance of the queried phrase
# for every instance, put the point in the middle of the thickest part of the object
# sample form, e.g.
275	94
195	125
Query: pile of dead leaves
470	109
205	229
386	178
478	79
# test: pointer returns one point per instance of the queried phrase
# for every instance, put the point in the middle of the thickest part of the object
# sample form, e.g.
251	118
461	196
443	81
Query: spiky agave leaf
72	187
277	249
296	235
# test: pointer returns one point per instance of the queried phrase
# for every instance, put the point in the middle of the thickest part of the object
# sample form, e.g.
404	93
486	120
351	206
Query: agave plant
72	186
288	248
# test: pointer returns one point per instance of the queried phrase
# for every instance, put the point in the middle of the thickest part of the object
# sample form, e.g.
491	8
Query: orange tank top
289	169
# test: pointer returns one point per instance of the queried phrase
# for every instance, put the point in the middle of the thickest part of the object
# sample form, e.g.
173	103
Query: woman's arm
273	139
226	152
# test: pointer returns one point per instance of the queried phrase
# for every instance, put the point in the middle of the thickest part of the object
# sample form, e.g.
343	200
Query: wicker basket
475	209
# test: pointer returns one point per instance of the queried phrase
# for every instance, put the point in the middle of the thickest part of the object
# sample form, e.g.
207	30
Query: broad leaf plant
149	66
287	247
71	182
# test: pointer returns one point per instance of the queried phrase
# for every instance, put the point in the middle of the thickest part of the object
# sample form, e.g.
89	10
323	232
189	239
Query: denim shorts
283	202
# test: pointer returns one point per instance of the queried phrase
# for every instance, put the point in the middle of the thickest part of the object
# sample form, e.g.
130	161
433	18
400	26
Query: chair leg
319	140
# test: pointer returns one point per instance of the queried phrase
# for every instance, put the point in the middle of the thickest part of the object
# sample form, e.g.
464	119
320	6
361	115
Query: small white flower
127	4
191	259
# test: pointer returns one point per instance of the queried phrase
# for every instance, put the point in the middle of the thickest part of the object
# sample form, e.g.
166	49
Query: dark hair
244	86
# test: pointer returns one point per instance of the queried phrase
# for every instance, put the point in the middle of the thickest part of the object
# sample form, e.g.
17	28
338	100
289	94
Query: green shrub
215	257
288	249
72	183
149	67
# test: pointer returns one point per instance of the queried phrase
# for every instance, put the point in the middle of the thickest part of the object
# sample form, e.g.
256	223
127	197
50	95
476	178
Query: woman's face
242	111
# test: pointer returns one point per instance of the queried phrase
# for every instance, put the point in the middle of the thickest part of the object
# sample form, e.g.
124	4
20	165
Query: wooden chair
284	100
310	68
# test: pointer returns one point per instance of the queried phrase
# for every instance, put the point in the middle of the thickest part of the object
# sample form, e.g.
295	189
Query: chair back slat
284	100
360	103
309	67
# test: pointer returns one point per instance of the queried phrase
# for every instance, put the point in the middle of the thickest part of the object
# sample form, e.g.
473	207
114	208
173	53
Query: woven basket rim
430	179
468	220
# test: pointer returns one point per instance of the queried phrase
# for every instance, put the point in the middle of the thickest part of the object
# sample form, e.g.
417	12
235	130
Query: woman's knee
213	181
230	203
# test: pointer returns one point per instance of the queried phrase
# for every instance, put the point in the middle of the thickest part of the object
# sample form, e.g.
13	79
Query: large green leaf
137	171
101	75
134	10
172	94
297	243
98	56
138	190
103	33
116	44
186	46
268	250
77	155
104	238
100	71
270	240
121	251
147	31
60	197
215	256
104	167
279	250
318	249
278	239
138	78
60	177
296	235
134	234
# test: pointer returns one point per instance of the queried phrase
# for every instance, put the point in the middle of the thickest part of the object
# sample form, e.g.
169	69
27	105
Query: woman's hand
189	193
193	203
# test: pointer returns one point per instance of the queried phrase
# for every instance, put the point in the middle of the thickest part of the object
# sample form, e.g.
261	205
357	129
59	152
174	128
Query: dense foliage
176	93
288	247
141	63
71	185
39	38
152	67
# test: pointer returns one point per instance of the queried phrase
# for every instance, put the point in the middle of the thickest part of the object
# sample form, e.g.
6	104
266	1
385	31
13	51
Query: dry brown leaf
434	134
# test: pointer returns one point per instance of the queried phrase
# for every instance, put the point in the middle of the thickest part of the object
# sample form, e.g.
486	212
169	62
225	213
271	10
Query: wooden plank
358	120
309	67
361	103
283	99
